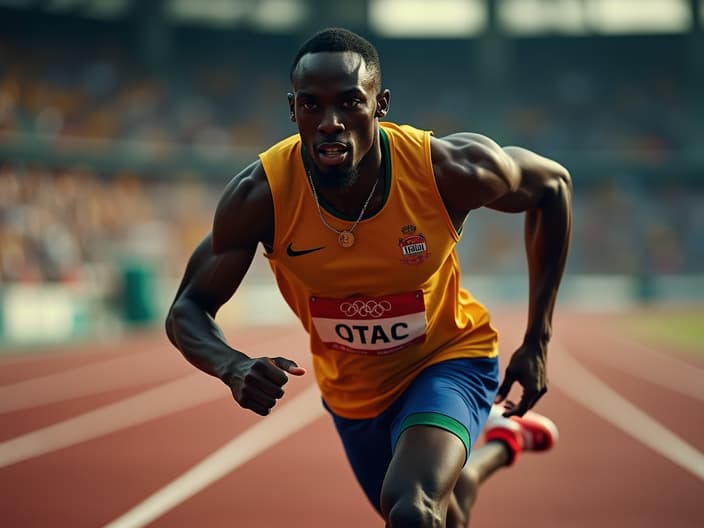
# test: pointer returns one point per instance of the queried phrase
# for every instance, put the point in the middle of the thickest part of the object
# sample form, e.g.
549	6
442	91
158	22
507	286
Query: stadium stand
109	156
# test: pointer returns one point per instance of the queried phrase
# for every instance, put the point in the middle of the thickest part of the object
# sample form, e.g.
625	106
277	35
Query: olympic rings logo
370	308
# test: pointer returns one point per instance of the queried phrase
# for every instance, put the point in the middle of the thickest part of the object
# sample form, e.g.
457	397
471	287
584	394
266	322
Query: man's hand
528	367
257	383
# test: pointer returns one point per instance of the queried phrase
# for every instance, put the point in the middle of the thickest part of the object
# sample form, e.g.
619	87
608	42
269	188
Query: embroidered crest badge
414	247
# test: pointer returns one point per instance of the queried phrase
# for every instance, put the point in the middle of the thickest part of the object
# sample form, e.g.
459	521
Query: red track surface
598	475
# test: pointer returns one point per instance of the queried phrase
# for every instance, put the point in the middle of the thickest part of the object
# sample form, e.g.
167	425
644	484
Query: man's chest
384	258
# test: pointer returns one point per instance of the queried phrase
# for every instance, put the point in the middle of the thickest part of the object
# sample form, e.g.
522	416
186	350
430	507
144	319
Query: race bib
370	325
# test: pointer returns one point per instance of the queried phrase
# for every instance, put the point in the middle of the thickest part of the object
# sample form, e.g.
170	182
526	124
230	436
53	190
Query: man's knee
420	479
412	510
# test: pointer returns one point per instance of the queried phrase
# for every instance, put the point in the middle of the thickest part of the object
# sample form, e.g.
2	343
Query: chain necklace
345	237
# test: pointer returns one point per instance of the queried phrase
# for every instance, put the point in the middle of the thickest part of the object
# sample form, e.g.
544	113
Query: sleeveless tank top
389	306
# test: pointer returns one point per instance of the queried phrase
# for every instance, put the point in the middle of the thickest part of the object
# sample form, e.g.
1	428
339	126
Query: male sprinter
359	220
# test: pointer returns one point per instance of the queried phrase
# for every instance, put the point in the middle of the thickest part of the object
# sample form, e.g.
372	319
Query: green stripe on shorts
438	420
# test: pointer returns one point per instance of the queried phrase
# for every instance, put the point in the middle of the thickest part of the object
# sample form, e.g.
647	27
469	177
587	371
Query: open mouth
332	153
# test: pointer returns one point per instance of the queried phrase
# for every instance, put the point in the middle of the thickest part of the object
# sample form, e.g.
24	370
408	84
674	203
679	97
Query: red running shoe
530	432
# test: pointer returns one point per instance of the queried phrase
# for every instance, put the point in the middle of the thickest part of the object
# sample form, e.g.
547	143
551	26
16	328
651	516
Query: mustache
321	140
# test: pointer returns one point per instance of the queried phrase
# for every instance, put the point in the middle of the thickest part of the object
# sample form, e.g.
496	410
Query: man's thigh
450	397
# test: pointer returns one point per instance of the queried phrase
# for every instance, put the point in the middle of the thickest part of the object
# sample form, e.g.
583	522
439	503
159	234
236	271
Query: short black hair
340	39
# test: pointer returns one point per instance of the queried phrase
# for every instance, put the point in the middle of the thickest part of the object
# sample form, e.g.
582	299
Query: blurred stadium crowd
609	123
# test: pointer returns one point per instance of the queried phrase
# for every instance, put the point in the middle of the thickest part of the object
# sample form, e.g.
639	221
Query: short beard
336	178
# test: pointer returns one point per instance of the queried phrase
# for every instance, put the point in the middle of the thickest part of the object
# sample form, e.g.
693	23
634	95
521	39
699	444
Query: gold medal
346	238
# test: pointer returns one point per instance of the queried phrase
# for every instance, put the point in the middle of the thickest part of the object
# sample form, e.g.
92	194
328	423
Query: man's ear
291	107
382	103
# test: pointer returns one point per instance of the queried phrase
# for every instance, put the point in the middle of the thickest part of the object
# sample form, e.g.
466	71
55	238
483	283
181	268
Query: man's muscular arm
473	171
545	194
243	219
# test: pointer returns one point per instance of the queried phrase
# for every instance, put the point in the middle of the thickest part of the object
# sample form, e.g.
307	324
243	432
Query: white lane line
157	402
283	422
163	400
588	390
156	365
96	378
661	369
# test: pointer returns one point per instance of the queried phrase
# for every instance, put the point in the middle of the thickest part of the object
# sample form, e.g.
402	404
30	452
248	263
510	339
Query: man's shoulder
244	214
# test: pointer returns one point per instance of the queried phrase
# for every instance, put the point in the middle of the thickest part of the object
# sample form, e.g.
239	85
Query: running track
128	434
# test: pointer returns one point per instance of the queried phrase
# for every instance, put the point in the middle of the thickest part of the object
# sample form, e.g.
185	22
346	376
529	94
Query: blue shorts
455	395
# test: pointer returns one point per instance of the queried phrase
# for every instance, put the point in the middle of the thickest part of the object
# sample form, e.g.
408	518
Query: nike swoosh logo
293	253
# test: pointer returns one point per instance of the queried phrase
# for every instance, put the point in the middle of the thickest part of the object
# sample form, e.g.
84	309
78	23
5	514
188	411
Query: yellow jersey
391	305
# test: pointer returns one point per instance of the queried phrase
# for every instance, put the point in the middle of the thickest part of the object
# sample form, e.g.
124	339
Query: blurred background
121	121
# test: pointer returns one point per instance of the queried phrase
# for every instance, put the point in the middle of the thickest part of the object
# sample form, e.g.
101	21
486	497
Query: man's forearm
196	334
547	237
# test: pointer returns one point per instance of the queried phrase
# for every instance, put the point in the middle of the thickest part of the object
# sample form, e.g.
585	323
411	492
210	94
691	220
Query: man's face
335	105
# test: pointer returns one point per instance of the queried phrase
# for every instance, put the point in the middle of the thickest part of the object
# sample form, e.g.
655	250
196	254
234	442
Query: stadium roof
400	18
